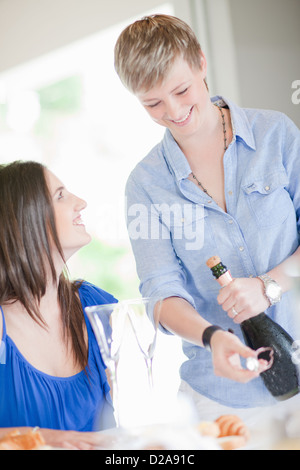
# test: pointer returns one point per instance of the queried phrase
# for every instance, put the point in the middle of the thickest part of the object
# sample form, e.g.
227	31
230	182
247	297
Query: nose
172	110
79	204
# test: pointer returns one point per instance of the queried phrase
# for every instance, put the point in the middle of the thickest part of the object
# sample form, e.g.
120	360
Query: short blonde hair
146	50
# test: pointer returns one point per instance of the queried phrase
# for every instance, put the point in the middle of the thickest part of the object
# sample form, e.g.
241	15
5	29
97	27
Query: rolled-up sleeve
291	159
158	267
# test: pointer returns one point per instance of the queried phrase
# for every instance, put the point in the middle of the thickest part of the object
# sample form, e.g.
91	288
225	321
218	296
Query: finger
241	349
98	440
242	316
263	365
240	374
236	373
233	312
231	303
68	445
85	446
223	295
228	303
244	376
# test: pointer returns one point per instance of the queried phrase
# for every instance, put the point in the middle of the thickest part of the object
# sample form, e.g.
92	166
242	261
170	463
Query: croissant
229	431
233	432
208	428
16	441
232	425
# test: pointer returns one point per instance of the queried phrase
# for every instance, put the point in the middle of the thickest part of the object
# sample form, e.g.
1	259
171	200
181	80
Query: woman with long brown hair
51	371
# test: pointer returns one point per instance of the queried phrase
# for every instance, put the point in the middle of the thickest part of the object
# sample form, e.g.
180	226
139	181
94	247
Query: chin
87	241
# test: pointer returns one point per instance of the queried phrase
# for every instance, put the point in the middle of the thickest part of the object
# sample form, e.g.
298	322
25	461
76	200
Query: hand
74	440
245	296
226	351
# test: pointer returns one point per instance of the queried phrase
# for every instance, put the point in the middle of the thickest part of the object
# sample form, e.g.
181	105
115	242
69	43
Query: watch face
273	291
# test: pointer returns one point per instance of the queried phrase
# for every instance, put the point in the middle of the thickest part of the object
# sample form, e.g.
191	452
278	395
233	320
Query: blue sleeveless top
29	397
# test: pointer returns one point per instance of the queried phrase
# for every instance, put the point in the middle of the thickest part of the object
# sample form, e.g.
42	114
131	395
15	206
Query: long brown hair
27	232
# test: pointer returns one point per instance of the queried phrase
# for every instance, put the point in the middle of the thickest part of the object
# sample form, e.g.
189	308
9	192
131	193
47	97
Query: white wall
30	28
253	50
267	39
252	46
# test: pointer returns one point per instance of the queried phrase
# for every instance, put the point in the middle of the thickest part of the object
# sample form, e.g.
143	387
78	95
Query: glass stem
113	376
150	371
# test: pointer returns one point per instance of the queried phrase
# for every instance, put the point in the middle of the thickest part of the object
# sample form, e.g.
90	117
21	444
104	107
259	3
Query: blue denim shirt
175	227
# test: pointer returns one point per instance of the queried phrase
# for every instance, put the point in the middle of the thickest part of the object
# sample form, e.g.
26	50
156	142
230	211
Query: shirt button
230	193
230	221
210	201
267	188
241	248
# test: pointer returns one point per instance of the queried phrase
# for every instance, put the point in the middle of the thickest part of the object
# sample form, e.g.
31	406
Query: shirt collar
239	120
176	160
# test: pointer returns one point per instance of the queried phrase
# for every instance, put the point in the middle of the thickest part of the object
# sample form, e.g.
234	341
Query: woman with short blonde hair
223	181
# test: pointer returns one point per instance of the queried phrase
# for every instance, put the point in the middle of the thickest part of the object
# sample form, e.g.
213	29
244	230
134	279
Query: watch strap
265	278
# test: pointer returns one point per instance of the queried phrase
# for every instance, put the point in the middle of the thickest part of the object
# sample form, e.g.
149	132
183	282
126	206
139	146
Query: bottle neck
225	279
218	270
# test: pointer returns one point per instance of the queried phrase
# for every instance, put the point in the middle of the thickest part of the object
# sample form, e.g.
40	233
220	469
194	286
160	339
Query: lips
184	119
78	221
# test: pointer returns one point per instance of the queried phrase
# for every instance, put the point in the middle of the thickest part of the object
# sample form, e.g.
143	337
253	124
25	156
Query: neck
49	305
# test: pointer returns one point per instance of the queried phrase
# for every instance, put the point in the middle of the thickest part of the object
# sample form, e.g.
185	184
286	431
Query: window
69	110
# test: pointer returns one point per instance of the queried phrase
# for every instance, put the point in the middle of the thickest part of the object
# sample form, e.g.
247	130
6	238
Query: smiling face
67	207
180	101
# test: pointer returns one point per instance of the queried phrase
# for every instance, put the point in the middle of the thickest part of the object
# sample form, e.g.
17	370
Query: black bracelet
207	335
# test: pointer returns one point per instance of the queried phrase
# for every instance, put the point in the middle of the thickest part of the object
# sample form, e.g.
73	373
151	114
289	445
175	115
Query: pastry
14	440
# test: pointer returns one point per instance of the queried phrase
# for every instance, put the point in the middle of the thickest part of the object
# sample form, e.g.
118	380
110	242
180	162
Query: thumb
240	348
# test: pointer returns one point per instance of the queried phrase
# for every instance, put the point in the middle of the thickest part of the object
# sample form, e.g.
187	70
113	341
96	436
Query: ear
203	63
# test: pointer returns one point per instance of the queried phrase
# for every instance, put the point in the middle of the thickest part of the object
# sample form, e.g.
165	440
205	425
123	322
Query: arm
72	440
179	317
282	273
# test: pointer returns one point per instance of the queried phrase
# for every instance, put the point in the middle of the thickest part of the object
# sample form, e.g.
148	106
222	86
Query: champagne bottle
282	379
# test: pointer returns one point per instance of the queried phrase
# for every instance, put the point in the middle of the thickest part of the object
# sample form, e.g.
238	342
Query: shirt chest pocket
186	226
268	200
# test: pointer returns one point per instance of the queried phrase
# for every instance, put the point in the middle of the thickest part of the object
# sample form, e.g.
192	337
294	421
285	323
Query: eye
153	105
183	92
60	195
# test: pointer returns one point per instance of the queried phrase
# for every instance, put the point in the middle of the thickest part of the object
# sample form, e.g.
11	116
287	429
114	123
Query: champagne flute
144	318
108	323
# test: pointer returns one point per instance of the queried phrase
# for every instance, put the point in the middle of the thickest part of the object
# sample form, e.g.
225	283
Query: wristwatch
273	291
